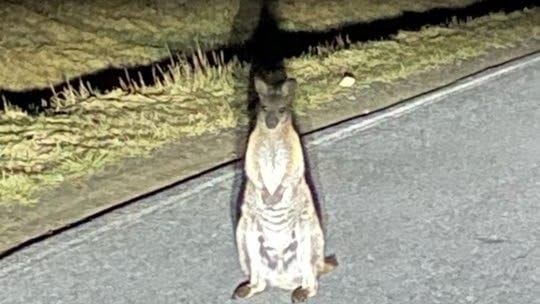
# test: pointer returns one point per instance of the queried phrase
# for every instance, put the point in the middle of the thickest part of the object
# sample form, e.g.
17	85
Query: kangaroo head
275	101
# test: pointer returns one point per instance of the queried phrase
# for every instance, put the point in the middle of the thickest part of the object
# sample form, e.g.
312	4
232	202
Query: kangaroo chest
273	158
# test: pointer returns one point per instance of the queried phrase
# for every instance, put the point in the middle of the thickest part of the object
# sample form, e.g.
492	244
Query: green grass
93	129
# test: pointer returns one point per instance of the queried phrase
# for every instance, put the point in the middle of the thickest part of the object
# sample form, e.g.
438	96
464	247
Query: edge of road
362	122
327	134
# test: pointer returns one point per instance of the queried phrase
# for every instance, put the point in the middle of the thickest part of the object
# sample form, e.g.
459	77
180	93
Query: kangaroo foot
330	263
246	290
299	295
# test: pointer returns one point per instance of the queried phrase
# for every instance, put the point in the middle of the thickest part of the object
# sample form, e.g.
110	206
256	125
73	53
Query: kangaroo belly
279	257
286	278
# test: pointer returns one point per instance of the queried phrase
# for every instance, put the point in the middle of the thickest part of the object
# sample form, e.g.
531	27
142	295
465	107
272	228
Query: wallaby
279	237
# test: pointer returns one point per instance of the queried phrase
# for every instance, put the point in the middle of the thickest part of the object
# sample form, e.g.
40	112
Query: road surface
435	201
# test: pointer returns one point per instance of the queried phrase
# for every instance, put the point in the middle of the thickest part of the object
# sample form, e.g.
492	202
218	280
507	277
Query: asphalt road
436	201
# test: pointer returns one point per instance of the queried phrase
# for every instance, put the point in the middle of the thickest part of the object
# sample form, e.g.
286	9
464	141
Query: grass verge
58	40
119	178
299	16
90	129
48	42
407	53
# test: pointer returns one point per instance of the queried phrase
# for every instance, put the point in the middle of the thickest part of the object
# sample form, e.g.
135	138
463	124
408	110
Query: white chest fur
273	158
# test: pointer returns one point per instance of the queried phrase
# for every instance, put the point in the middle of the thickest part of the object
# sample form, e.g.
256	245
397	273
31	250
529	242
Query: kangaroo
279	237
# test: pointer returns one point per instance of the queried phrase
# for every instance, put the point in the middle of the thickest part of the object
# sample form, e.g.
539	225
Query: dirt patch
174	162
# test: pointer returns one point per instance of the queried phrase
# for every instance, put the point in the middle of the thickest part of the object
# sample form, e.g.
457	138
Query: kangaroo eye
281	110
265	108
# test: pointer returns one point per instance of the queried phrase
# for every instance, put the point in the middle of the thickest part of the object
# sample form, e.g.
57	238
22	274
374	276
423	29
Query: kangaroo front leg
256	282
304	254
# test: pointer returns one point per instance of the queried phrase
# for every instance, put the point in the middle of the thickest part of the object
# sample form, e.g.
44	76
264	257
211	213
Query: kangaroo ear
288	87
260	86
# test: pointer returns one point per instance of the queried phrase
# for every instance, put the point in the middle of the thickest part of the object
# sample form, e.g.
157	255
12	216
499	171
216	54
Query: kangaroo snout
271	121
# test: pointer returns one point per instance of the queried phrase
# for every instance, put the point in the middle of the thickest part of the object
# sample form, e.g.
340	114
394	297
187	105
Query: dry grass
93	129
309	15
408	53
47	42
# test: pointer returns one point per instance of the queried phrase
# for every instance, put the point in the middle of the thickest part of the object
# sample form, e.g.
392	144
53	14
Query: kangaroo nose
271	121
